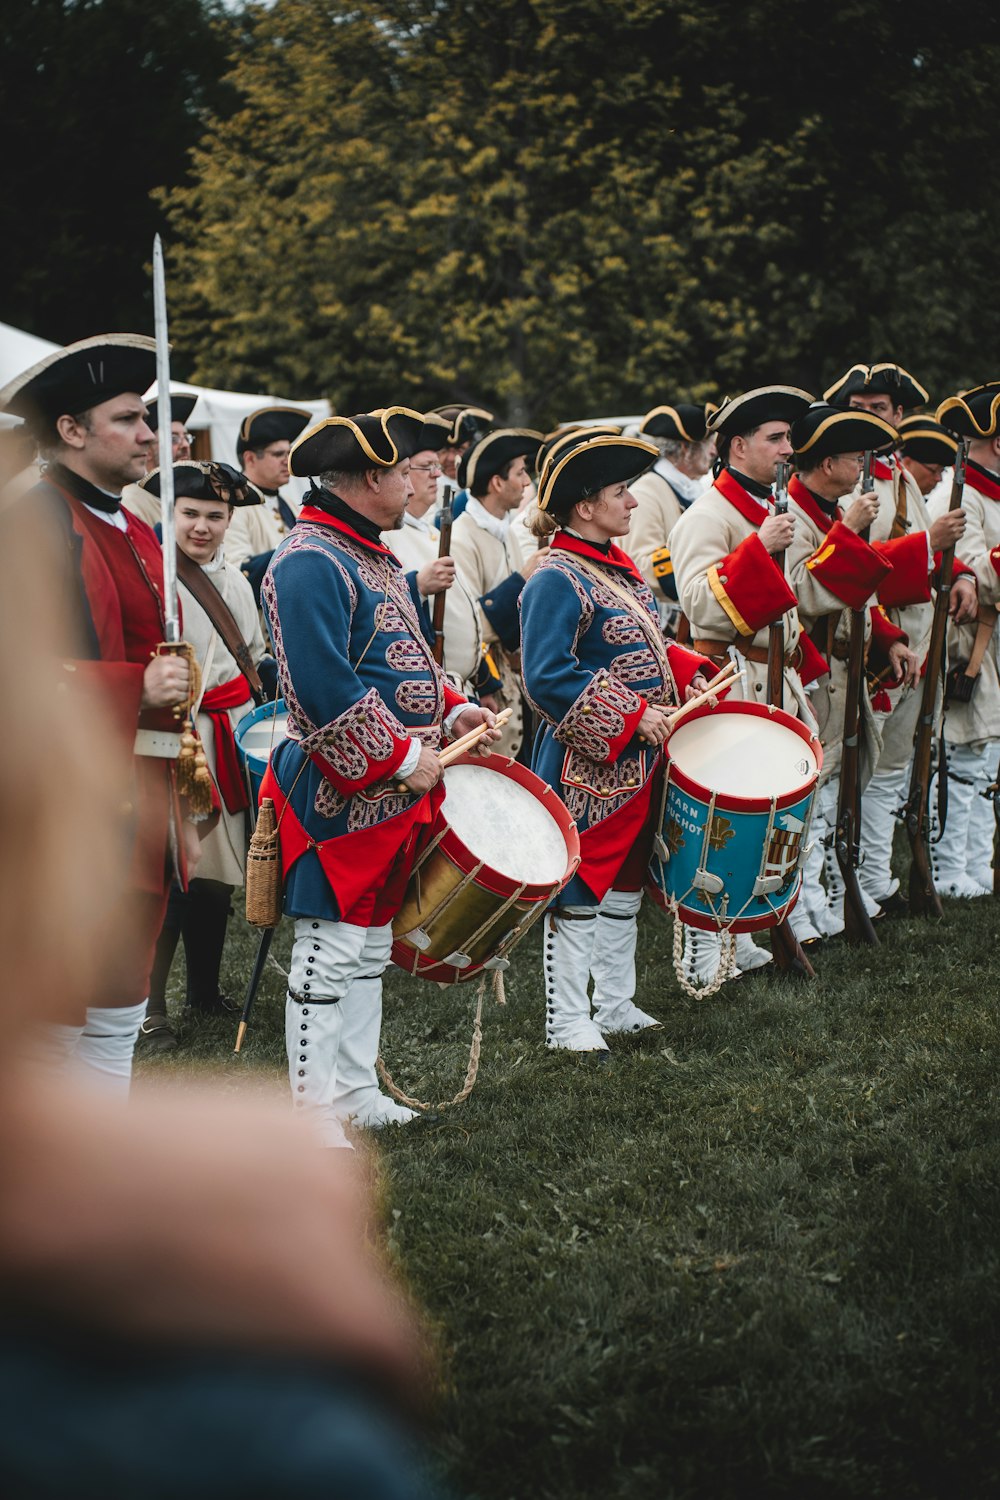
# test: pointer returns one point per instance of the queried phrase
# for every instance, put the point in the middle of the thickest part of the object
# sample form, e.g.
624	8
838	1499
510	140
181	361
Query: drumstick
731	678
459	746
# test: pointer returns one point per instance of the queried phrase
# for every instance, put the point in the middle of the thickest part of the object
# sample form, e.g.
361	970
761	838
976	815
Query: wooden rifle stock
786	949
858	927
444	550
924	899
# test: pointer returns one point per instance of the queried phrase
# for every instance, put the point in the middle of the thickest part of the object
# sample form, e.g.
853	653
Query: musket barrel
171	607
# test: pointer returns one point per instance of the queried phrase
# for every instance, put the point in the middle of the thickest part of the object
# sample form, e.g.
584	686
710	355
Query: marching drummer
599	673
220	620
355	786
730	586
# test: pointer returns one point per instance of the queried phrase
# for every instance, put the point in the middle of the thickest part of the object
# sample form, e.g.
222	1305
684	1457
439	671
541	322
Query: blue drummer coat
358	679
590	672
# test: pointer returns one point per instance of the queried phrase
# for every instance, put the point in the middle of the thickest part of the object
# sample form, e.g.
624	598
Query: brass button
490	603
723	578
588	710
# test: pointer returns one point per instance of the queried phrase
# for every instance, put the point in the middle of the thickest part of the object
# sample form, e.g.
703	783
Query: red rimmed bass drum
734	816
502	847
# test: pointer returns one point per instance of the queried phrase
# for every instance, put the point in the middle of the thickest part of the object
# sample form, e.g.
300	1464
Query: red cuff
846	565
884	632
686	665
813	664
910	579
750	587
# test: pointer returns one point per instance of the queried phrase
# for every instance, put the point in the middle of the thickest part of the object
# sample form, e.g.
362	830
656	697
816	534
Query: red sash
228	774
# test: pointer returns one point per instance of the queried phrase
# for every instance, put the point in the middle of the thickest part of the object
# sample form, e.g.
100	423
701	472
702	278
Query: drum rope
726	966
474	1052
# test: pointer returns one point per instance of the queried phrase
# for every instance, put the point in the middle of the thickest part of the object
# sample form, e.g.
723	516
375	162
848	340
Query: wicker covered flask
264	870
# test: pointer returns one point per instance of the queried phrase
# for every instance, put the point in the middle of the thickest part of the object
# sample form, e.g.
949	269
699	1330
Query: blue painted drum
256	736
734	816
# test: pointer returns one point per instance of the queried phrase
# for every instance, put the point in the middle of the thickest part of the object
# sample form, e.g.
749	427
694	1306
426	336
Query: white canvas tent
221	412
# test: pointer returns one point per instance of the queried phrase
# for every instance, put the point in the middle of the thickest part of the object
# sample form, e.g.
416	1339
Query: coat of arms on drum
782	856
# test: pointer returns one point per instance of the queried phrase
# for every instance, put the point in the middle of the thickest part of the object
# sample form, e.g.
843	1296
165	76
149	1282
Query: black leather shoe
156	1035
220	1006
895	905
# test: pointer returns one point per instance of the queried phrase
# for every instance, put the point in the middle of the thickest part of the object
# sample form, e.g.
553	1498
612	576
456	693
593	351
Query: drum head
504	824
742	754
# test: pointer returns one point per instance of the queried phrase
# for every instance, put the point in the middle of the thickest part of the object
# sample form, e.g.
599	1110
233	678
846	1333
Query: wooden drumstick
460	746
724	678
452	752
729	680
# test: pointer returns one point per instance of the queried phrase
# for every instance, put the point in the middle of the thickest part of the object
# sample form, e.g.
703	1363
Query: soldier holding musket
835	572
962	860
886	390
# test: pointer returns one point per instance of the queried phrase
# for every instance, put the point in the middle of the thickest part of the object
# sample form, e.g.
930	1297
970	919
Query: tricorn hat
885	379
182	404
562	435
271	424
684	423
349	445
583	465
973	413
768	403
434	434
207	481
825	430
489	455
926	440
72	380
467	423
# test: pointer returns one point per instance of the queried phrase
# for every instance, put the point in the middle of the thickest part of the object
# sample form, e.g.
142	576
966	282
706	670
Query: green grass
757	1255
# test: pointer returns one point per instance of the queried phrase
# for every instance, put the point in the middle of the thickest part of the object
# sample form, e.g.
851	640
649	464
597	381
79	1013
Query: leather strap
756	654
984	629
204	591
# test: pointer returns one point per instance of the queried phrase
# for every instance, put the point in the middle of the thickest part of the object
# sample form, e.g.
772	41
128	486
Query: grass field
756	1255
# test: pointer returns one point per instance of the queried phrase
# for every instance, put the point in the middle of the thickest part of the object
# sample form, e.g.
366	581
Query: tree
562	207
105	99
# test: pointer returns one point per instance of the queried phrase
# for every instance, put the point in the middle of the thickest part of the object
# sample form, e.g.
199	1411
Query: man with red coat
84	408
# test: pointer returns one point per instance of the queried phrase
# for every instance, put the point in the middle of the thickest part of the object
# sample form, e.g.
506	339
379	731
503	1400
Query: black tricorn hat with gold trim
182	404
467	423
974	413
926	440
434	434
489	455
683	423
350	445
767	403
72	380
207	481
577	469
825	431
884	379
271	424
561	436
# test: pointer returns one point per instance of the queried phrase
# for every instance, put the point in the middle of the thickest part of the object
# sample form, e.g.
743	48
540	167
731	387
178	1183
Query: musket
858	928
924	899
786	949
171	607
444	550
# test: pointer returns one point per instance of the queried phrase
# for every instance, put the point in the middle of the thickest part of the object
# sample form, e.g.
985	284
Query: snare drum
503	845
256	736
734	816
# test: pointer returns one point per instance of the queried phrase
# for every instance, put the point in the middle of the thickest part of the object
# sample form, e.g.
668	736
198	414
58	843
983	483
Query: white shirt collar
493	524
689	488
419	523
115	518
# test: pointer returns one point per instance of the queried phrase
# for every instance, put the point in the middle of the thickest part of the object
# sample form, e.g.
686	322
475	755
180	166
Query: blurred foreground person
82	405
192	1305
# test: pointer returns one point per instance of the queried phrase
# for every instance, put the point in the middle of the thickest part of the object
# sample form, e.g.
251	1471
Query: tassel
263	882
194	781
